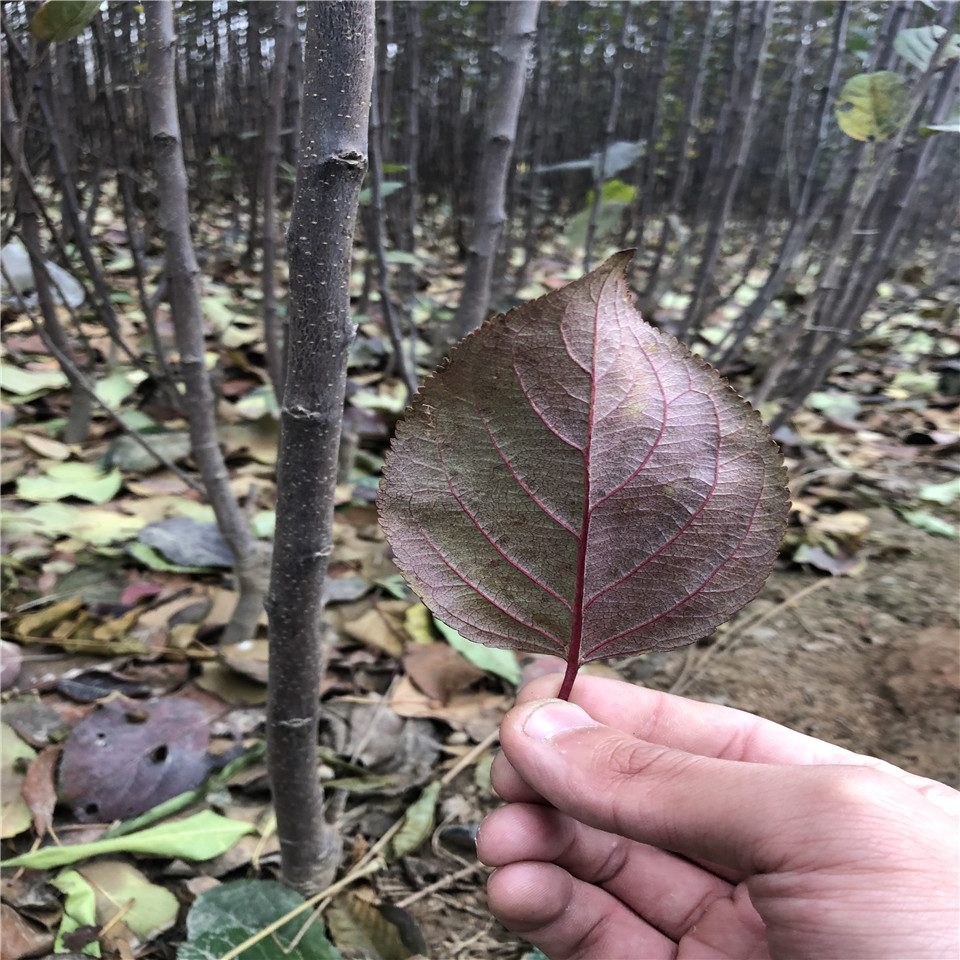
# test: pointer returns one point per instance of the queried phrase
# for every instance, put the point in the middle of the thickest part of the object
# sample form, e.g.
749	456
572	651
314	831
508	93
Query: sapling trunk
519	29
332	164
187	318
286	27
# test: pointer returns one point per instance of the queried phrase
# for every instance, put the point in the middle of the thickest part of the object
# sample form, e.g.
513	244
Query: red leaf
574	482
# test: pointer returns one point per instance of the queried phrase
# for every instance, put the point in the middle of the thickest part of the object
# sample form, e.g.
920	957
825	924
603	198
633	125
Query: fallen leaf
128	756
15	757
225	916
200	837
362	928
39	789
249	657
149	909
85	481
417	822
20	937
439	671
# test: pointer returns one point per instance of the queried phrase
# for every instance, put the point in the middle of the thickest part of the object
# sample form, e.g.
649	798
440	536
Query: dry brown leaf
40	791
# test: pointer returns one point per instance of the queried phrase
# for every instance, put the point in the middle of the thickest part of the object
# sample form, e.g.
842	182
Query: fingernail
554	717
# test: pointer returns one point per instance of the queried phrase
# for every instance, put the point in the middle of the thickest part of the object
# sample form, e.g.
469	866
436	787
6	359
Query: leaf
55	519
927	521
950	125
97	892
573	482
359	927
872	106
127	756
59	20
918	45
501	662
15	756
30	382
417	822
201	837
188	543
155	561
944	493
119	385
226	916
83	480
79	909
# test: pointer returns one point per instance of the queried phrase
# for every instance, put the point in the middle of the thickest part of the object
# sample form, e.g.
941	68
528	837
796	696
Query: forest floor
853	639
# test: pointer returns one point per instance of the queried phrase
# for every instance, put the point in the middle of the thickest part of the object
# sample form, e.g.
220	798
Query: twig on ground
441	884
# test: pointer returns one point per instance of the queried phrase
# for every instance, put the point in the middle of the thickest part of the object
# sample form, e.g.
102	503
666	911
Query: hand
641	825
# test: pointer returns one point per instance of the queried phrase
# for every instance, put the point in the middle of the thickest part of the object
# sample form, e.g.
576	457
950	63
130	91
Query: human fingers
747	816
668	892
568	918
707	729
711	730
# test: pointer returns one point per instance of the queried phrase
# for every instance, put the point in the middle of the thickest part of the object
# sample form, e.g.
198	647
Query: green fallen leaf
417	822
55	519
225	916
98	891
200	837
15	380
930	523
115	388
15	755
86	481
79	909
155	560
501	662
945	493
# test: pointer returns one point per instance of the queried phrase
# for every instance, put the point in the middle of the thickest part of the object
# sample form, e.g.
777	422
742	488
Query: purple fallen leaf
574	482
128	756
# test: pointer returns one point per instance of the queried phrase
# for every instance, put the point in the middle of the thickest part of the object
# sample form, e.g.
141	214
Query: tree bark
743	133
285	28
377	221
608	134
333	147
187	315
688	142
519	30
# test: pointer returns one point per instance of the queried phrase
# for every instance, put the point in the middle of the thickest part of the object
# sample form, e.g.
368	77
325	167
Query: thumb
750	817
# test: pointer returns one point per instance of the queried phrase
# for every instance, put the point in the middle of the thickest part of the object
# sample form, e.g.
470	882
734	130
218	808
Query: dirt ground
869	662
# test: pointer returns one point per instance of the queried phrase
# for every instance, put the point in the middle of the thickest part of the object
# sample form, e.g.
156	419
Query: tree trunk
608	135
333	147
377	221
743	133
285	28
183	274
688	139
519	30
